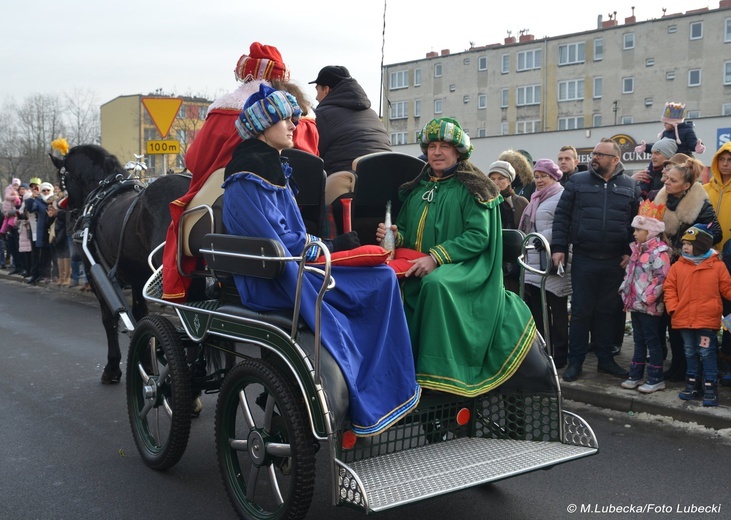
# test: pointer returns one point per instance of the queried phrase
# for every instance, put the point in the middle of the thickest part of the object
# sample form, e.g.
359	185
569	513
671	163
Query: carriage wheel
158	392
266	451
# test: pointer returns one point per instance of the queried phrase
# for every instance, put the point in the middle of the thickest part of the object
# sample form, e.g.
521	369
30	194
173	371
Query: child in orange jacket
693	291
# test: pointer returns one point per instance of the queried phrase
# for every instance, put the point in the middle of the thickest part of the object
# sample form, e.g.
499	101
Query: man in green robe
469	334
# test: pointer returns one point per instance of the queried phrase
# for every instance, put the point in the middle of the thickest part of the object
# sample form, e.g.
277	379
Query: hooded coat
468	333
719	194
348	127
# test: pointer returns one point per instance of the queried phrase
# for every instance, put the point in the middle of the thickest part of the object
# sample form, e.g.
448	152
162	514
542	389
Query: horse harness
109	189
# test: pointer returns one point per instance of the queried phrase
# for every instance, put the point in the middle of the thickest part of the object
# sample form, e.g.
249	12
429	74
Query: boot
691	388
654	380
710	397
636	373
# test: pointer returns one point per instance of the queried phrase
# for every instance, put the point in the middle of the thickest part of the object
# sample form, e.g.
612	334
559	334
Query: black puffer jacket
348	127
596	215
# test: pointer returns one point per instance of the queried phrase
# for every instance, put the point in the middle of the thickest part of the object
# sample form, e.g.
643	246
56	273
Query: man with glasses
594	216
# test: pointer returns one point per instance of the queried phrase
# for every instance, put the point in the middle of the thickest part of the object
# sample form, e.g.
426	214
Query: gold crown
651	210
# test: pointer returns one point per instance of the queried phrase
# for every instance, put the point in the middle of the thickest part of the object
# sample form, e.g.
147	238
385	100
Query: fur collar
468	174
257	157
687	210
235	100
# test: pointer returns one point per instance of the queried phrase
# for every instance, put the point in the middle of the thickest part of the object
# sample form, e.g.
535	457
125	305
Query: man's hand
381	232
558	258
642	176
422	267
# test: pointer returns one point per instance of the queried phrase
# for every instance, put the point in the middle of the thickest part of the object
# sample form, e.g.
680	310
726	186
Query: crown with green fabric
446	130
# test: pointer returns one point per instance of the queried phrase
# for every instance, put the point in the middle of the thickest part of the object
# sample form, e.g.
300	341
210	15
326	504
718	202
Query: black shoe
15	271
572	372
612	368
32	280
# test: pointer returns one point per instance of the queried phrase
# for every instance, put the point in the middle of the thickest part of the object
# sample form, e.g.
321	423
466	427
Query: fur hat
447	130
46	186
665	146
264	62
330	76
523	168
503	168
264	109
701	239
649	217
16	182
549	167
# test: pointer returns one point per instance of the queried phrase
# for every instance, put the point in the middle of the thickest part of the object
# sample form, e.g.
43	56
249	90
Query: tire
158	393
259	413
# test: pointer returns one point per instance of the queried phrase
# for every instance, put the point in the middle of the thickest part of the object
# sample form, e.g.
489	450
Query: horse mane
99	157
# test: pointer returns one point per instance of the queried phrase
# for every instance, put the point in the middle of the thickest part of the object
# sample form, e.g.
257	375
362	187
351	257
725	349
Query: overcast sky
191	46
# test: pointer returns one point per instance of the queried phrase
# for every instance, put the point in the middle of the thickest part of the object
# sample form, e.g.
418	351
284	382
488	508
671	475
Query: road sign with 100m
167	146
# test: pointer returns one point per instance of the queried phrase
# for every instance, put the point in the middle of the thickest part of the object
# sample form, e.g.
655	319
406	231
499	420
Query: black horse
127	222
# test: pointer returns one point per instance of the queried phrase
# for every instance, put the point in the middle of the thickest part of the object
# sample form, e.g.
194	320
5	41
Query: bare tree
39	121
81	116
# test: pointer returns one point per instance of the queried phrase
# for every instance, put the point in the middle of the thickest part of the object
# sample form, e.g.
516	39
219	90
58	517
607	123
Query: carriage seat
196	223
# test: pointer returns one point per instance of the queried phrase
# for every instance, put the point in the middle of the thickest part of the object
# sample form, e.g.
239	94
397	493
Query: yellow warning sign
163	112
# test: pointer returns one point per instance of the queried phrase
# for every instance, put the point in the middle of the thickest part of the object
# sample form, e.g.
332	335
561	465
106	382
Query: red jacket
693	293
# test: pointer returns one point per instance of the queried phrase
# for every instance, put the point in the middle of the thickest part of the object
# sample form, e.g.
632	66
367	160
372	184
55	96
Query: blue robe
363	323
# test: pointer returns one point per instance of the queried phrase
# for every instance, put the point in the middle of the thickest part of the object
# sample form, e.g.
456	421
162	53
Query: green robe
469	334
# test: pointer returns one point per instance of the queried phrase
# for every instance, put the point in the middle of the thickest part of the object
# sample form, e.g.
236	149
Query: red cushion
363	256
401	260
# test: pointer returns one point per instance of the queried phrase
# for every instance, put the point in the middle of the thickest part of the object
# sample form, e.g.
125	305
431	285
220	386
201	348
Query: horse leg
112	373
139	304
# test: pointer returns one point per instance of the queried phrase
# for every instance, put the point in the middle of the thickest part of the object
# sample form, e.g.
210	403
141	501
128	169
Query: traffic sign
163	112
168	146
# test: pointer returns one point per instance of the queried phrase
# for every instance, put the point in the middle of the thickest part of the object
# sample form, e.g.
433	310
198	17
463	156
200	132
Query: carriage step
408	476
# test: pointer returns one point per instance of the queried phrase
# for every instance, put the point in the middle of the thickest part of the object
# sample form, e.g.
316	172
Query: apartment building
617	74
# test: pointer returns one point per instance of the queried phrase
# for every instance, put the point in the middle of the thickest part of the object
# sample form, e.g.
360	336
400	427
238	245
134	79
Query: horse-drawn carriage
282	396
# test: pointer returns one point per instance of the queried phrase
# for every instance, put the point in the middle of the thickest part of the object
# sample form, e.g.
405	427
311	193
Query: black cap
331	75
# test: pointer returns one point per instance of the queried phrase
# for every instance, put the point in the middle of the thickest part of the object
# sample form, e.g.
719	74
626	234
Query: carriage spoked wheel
158	392
266	451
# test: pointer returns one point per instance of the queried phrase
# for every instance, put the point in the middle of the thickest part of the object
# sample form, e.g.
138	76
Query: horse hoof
197	407
111	378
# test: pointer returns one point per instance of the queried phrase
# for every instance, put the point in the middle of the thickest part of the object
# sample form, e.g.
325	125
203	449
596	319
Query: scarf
528	219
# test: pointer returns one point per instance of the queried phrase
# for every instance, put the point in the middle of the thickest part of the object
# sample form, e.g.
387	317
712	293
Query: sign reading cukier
163	112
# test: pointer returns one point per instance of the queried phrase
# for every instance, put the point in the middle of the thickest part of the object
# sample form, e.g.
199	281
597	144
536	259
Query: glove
538	244
345	241
700	147
640	148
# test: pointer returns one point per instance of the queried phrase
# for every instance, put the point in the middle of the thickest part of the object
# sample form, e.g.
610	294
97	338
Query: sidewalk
600	390
603	390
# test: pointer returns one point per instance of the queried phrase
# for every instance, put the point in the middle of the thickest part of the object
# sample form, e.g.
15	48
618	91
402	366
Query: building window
504	97
481	132
627	120
504	128
670	75
629	41
628	85
398	138
726	109
672	29
202	112
527	127
571	53
694	78
649	101
438	106
399	110
528	95
417	108
727	31
599	49
529	60
417	77
596	120
570	123
598	87
696	30
571	90
399	79
505	64
482	101
693	114
649	62
417	134
727	72
482	63
437	70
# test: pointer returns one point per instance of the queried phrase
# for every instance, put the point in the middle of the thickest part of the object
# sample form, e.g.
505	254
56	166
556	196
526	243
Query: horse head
82	169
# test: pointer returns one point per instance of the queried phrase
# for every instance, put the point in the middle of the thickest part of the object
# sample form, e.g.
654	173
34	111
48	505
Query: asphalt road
66	449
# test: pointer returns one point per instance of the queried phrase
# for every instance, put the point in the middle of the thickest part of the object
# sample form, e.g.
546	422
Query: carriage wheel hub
150	390
257	447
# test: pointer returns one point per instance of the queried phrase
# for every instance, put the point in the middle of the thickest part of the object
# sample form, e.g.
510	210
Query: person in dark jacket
678	129
347	125
594	215
651	179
